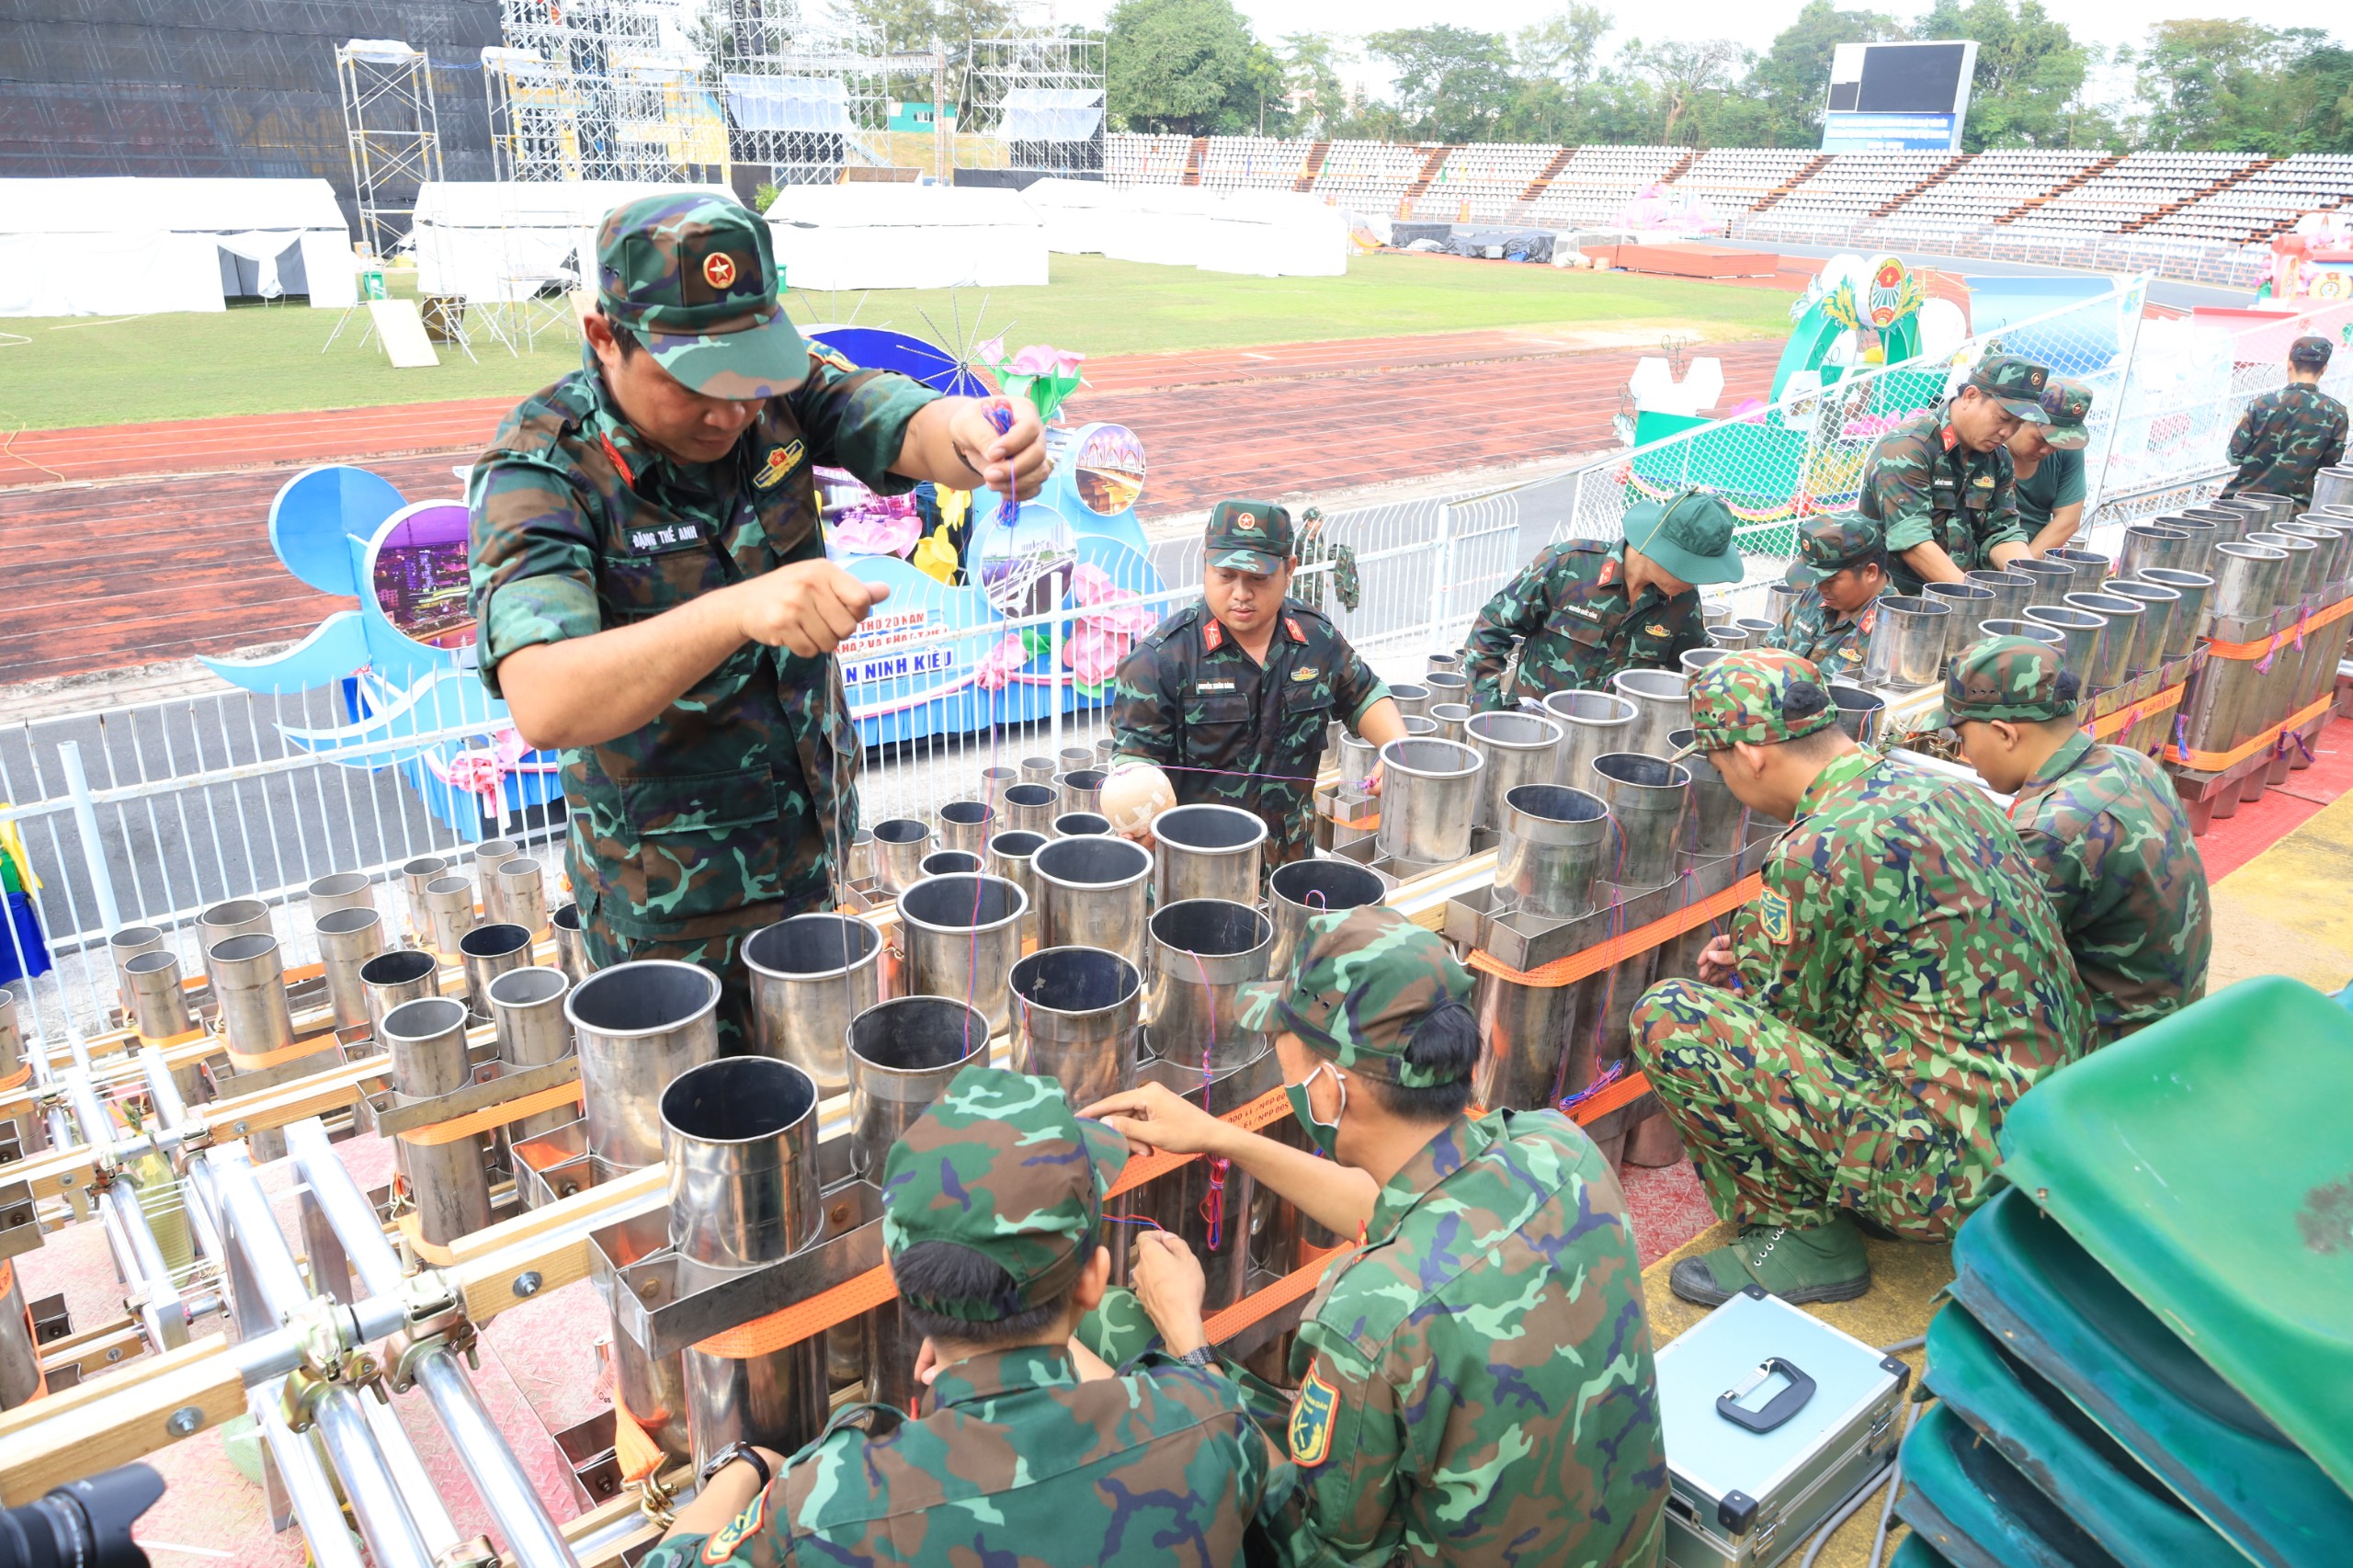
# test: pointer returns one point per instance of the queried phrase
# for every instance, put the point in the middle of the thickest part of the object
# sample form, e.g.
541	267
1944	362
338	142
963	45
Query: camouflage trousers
1786	1130
721	954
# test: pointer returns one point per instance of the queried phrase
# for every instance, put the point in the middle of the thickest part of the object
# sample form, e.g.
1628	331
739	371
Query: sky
1743	21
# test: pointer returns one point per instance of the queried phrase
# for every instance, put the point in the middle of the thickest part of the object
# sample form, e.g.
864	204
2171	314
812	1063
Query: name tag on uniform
1580	611
1212	688
665	538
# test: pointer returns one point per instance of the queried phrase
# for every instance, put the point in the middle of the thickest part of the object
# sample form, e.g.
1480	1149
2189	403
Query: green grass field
98	371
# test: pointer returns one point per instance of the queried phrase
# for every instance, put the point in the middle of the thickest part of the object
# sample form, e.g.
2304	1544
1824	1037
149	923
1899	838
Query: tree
2027	89
1685	70
1792	79
2241	87
1311	68
1565	46
1453	84
1191	68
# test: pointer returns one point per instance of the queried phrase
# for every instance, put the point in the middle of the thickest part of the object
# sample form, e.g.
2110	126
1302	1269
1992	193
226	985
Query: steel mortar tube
1647	799
485	858
811	975
964	825
1553	844
349	938
487	952
2277	509
2297	577
394	976
1728	636
960	936
1251	1221
1094	891
249	982
126	944
506	1491
1525	1032
1692	660
1450	719
1070	759
995	780
1081	824
1082	790
1907	641
236	917
2053	580
1038	770
158	1000
1203	952
1032	805
2151	544
447	1181
2200	536
1969	603
739	1138
2231	522
1593	724
1720	823
1305	888
1418	724
2246	580
415	875
1413	701
2333	487
2196	591
522	894
2092	569
1429	797
1208	851
2012	591
638	1025
1012	855
901	1053
2079	634
900	845
950	863
449	908
1448	685
570	946
2034	631
527	1012
2115	654
1662	701
1513	749
338	890
1077	1017
1861	713
2161	609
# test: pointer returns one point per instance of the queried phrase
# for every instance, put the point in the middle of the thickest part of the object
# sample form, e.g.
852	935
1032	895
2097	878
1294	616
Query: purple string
1616	1071
1001	421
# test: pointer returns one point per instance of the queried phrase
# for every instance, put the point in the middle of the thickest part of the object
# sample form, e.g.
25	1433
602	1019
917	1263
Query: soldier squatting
1472	1382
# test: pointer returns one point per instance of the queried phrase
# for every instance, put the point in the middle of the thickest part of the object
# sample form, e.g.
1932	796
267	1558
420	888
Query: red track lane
119	570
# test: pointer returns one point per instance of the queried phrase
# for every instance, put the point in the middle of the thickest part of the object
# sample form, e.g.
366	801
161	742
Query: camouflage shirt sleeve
2243	439
2069	872
2002	524
1514	613
1143	707
532	566
1353	685
1899	486
1791	977
858	419
1345	1514
2331	451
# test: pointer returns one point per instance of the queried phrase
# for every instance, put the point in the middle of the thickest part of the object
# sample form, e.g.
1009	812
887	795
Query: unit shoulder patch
1773	913
724	1541
1311	1420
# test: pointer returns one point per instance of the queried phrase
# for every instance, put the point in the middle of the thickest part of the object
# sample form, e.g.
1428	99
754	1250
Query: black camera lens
83	1525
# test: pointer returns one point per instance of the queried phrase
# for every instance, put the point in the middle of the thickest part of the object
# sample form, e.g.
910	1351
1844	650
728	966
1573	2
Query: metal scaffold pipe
307	1489
506	1491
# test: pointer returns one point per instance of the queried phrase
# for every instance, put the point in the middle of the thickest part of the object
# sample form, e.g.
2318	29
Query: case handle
1782	1405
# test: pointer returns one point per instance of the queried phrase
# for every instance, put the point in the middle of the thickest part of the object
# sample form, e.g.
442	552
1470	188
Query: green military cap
1000	1164
2014	381
2011	678
695	277
1827	545
2064	406
1761	696
1688	534
1364	979
2309	353
1249	535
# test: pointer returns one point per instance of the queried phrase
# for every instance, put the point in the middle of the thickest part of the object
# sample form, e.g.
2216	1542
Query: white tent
1270	234
131	247
906	236
506	239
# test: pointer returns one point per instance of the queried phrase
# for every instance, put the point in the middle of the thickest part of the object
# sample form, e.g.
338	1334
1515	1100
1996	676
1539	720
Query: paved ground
157	547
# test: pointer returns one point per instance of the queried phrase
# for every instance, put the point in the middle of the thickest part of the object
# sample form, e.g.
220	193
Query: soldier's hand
1715	961
808	607
926	1362
1152	1116
1015	461
1170	1287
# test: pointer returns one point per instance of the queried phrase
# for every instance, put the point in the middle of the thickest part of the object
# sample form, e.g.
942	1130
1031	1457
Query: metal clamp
475	1553
435	1311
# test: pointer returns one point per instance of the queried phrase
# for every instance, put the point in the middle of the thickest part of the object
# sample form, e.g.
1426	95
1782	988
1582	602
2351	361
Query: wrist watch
738	1449
1200	1357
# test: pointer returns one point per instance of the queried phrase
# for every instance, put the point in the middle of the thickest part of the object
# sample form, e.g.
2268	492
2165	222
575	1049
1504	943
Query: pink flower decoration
1000	664
1093	653
1106	629
989	353
873	530
1035	360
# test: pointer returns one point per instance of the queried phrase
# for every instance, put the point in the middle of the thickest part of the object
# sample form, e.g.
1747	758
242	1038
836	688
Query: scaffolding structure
591	89
1033	106
393	133
815	112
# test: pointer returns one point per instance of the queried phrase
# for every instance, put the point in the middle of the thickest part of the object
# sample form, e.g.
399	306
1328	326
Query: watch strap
739	1449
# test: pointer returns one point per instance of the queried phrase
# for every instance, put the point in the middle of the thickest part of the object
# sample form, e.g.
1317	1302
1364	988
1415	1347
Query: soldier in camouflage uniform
1841	567
1474	1379
2048	469
1026	1453
1584	610
653	593
1898	983
1941	486
2286	438
2103	826
1231	697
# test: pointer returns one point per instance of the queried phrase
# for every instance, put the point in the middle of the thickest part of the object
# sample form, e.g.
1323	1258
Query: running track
132	544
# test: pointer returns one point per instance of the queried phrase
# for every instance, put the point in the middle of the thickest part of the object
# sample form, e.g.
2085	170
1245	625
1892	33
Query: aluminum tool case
1773	1419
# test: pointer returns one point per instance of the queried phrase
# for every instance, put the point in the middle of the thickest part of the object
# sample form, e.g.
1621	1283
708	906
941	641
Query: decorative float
993	617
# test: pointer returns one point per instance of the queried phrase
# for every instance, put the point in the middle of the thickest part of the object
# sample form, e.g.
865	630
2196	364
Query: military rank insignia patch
724	1541
1306	672
1311	1419
1773	913
826	355
1654	630
782	460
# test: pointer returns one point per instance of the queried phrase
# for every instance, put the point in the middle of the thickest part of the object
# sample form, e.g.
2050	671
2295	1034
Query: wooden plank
94	1352
97	1426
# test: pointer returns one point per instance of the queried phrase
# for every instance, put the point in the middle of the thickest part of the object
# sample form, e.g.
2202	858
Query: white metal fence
146	814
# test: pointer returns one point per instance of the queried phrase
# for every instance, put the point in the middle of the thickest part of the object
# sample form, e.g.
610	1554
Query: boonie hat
2011	678
1688	535
2016	382
2309	353
1760	697
1249	535
694	276
2065	405
1364	979
1000	1164
1827	545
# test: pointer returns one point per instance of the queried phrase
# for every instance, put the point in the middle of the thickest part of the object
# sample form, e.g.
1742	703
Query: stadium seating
1370	177
1843	192
1596	183
2264	203
1253	163
1147	160
2125	194
1732	180
1983	192
1486	182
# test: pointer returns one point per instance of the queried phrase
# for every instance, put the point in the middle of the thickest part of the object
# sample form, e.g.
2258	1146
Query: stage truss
592	89
392	131
1033	105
